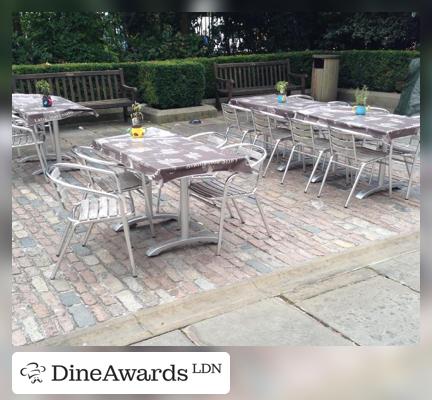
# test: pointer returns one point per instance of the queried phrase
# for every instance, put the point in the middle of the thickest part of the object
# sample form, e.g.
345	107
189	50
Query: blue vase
281	98
360	110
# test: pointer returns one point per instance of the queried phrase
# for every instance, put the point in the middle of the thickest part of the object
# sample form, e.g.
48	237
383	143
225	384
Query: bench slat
110	87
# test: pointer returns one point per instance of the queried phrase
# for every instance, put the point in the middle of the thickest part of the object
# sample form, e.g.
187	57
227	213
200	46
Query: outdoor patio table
163	156
385	127
29	107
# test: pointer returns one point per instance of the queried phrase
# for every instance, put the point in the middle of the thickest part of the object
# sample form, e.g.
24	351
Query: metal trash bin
325	74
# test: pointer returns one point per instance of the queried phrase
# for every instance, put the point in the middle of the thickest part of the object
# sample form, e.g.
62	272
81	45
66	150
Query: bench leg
125	114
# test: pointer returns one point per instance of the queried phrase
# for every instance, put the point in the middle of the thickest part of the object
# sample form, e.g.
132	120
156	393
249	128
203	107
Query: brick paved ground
94	283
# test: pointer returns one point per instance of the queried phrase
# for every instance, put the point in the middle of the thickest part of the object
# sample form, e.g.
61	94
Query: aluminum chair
337	103
233	121
268	133
129	181
345	152
408	153
213	190
23	136
214	139
378	109
307	143
94	207
300	96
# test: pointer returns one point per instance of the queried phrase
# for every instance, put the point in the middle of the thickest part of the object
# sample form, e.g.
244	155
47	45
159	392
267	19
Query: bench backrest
254	74
79	86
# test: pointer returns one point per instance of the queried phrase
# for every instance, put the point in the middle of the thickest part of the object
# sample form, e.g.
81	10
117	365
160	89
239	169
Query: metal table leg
380	186
156	218
185	238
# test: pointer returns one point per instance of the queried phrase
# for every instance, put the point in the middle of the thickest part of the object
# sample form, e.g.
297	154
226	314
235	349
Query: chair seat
278	134
128	181
211	188
402	149
365	154
98	208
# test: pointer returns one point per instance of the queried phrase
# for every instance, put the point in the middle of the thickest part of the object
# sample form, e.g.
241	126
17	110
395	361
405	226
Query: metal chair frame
24	136
94	215
262	121
215	139
345	152
232	121
307	144
212	190
128	179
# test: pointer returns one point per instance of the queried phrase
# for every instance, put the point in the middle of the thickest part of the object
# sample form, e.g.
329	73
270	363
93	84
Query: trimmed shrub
379	69
171	84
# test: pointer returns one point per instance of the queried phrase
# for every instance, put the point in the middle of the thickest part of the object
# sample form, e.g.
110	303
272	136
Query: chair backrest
255	154
338	103
300	96
22	136
261	122
302	133
230	116
379	110
63	187
342	143
215	139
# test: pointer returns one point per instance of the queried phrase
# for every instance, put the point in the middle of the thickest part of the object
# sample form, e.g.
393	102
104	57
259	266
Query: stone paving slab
270	322
377	311
173	338
304	228
404	269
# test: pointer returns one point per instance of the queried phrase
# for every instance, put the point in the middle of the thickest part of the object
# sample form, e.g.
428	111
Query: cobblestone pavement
94	283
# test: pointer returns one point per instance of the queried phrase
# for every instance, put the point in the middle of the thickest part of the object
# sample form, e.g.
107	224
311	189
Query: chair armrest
130	89
225	83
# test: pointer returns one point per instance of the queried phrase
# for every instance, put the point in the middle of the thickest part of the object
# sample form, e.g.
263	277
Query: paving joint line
326	325
394	280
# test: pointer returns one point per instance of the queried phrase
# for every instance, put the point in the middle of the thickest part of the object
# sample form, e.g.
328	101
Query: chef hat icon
33	371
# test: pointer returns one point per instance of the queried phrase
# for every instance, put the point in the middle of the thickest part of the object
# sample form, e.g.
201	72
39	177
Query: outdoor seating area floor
94	283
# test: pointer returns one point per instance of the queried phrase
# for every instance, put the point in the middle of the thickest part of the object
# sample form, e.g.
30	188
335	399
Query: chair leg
149	206
258	203
66	233
325	175
126	231
87	234
355	184
313	170
159	193
229	210
288	164
67	240
221	224
271	157
238	211
390	168
411	175
42	159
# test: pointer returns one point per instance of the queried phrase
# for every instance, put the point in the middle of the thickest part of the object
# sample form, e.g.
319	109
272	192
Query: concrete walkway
378	304
366	296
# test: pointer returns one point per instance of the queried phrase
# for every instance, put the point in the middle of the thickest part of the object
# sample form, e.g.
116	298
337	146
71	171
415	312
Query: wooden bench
249	78
94	89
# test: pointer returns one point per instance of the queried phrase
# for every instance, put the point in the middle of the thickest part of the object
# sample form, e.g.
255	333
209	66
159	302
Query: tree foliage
58	37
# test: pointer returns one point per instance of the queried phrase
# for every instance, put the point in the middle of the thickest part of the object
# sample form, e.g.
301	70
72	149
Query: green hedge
379	69
171	84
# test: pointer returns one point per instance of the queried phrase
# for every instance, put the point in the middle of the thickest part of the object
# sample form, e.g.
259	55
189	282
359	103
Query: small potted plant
361	96
44	88
137	119
281	87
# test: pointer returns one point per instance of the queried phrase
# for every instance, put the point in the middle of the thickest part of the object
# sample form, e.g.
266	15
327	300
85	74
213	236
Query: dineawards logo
33	371
121	373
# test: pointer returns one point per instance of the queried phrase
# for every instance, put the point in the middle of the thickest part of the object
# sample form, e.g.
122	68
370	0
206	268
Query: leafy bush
379	69
171	84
